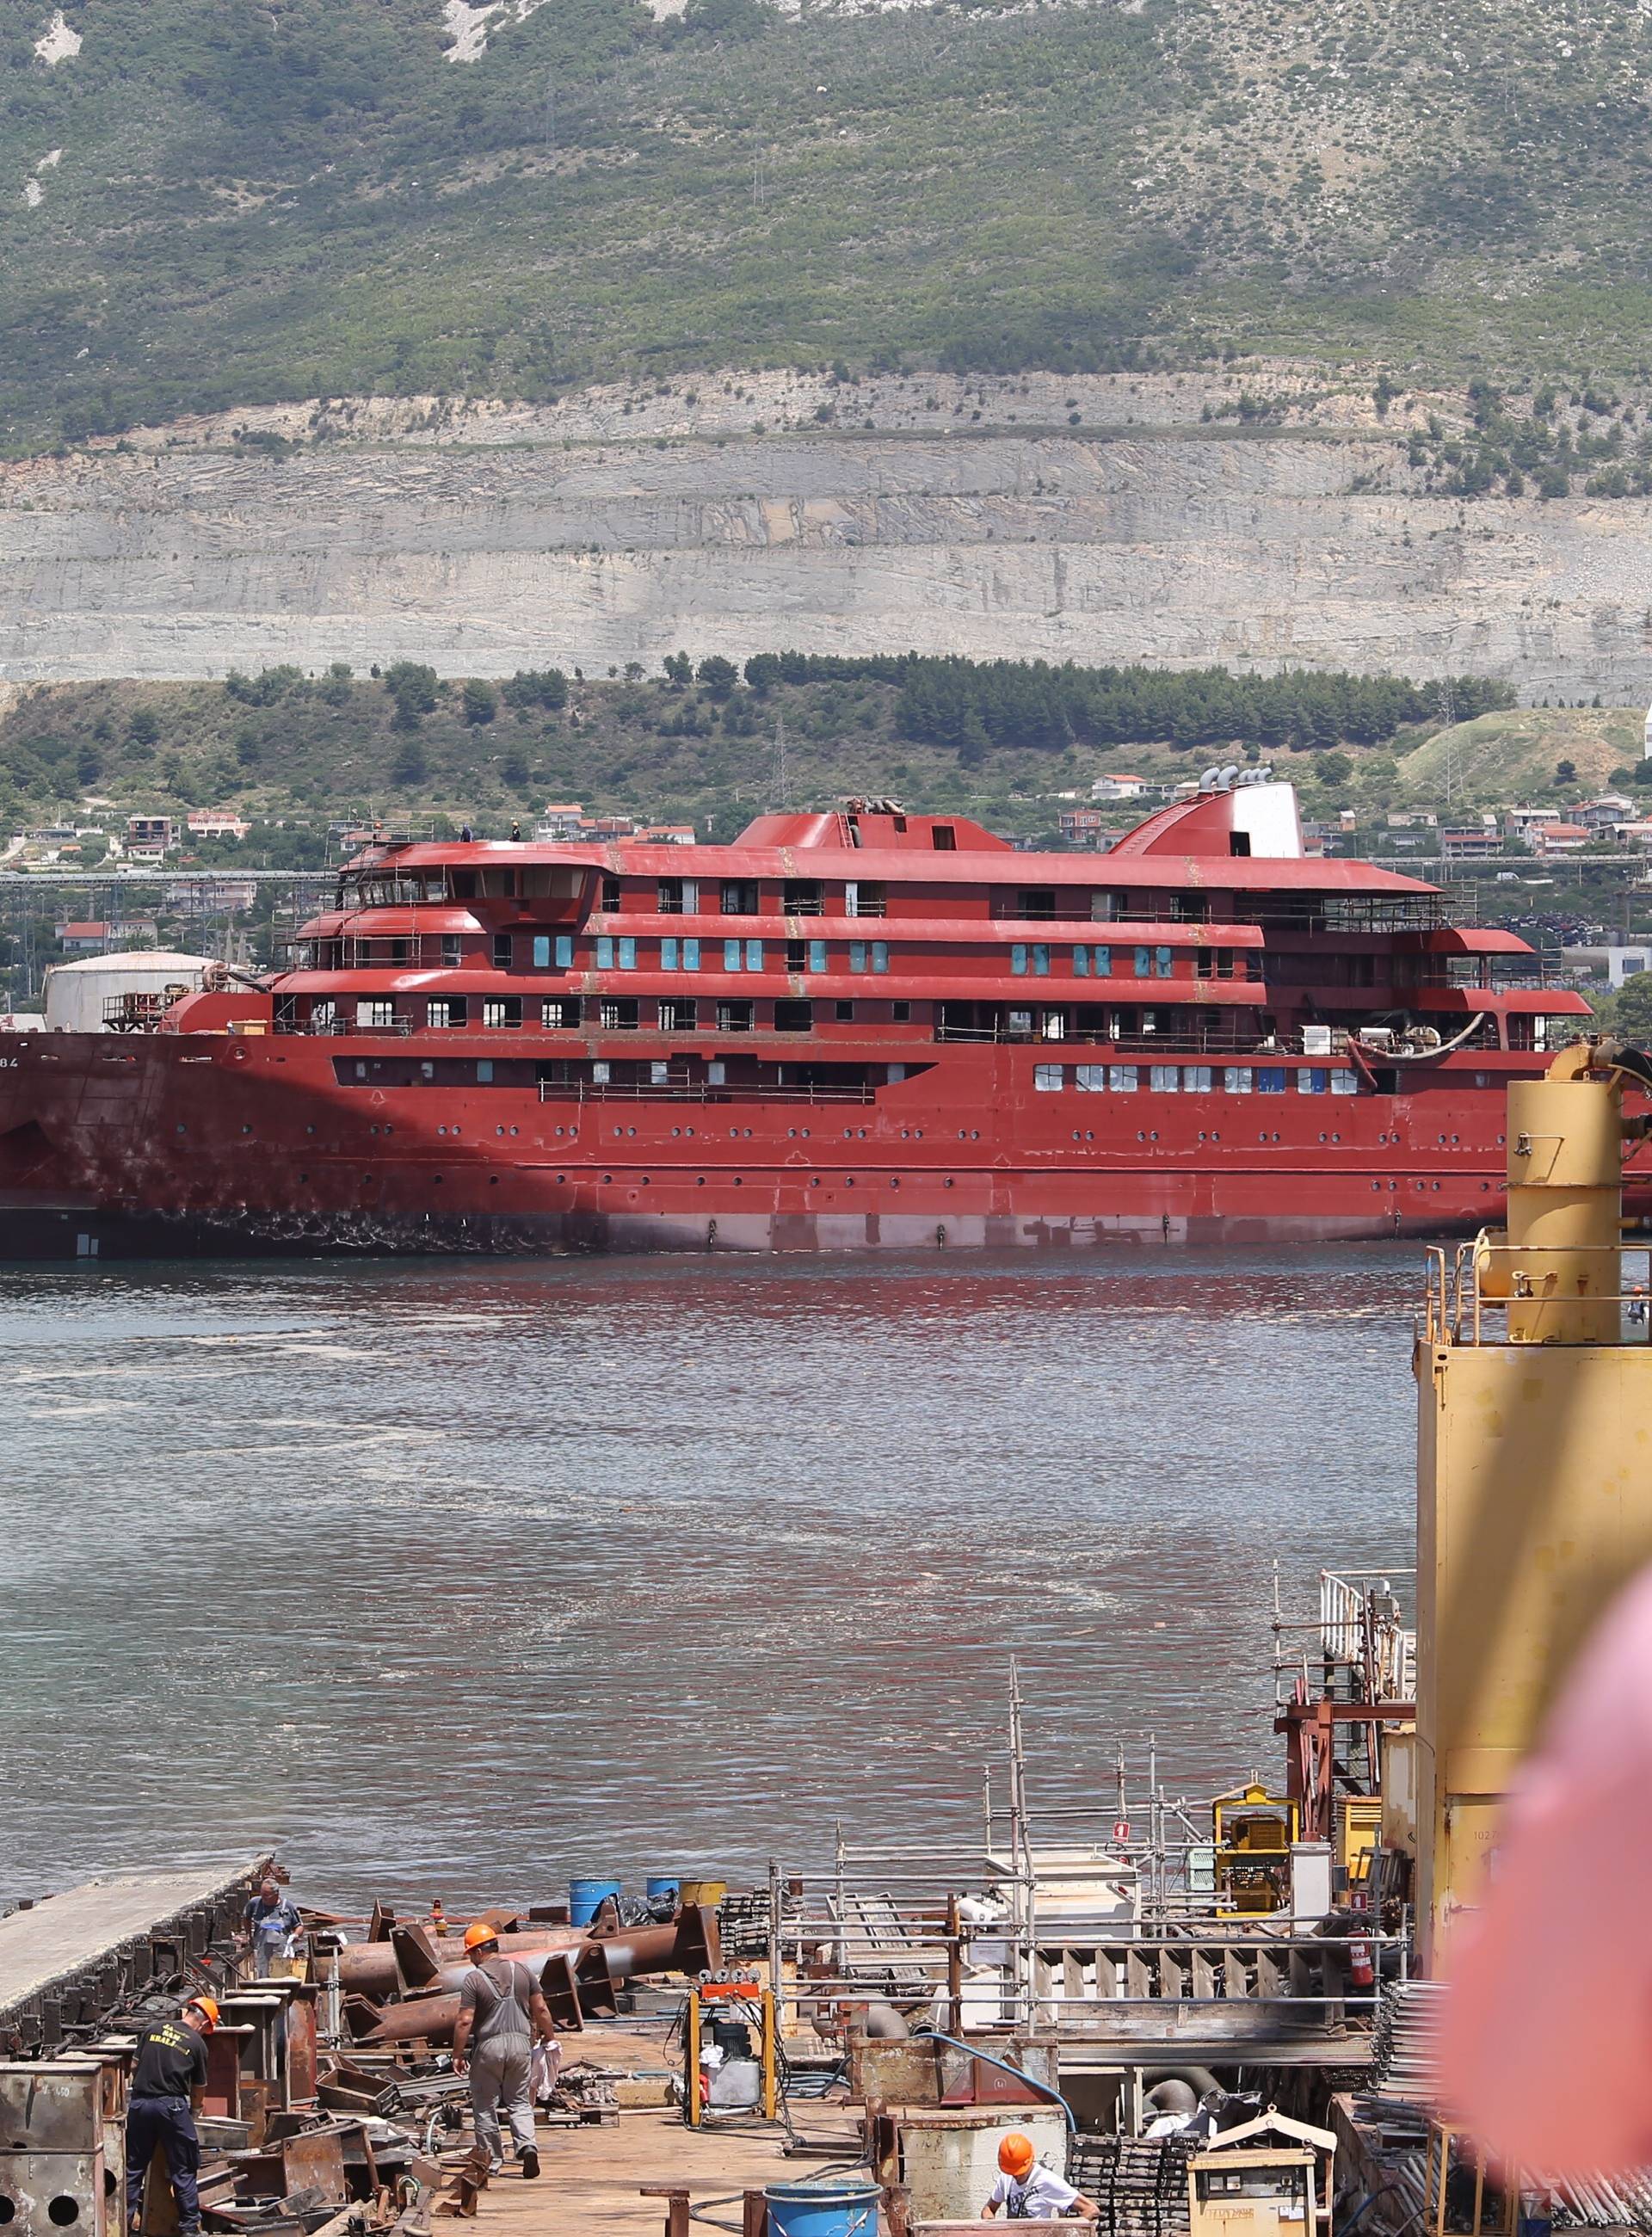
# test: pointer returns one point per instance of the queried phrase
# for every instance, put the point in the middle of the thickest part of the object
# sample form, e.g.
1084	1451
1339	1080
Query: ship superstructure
848	1030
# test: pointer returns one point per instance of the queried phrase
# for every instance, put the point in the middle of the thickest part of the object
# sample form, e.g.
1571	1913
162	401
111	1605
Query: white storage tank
949	2153
88	996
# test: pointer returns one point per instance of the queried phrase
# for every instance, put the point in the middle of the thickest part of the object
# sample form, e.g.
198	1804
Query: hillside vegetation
999	739
1515	754
219	202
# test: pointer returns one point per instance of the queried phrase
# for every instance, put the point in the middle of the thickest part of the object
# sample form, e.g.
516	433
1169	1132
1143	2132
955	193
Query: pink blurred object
1547	2046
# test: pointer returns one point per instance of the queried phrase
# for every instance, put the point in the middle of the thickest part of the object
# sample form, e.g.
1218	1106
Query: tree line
972	705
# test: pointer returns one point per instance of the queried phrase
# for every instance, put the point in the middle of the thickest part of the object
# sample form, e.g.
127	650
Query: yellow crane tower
1534	1472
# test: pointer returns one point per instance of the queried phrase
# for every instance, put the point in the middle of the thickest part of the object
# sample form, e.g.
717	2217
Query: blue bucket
657	1884
586	1898
833	2206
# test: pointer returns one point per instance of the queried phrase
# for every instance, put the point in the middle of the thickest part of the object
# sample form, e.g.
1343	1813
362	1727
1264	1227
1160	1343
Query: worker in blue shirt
272	1922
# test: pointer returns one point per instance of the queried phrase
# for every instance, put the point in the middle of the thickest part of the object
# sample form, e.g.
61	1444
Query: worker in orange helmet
168	2083
1030	2193
501	2004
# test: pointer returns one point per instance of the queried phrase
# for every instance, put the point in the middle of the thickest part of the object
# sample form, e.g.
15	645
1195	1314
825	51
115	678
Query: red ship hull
164	1144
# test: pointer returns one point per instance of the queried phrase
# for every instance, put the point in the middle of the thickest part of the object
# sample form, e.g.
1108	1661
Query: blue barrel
657	1884
586	1898
832	2205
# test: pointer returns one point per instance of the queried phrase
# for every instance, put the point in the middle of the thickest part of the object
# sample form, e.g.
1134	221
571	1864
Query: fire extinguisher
1361	1972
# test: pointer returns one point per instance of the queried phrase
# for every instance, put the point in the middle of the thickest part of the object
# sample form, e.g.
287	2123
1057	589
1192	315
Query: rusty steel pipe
372	1969
685	1947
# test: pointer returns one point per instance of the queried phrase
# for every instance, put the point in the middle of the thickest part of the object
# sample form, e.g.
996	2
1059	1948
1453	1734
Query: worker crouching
1027	2192
501	2008
169	2082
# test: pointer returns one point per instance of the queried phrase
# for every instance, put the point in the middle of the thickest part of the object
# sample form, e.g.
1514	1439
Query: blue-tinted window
565	951
817	955
1040	956
880	955
857	955
667	955
542	951
1018	960
731	955
1311	1080
604	954
1092	962
628	954
754	956
1270	1079
1144	963
691	955
1161	962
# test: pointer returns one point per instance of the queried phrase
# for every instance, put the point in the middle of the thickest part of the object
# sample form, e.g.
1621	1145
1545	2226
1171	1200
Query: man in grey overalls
500	2011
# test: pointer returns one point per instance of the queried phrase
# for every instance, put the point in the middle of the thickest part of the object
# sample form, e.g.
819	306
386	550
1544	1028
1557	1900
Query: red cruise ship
848	1031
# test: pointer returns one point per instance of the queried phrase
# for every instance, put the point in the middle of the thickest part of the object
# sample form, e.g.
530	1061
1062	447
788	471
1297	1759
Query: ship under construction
848	1031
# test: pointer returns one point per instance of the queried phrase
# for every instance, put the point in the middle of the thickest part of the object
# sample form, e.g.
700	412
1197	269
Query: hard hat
1016	2155
208	2008
479	1931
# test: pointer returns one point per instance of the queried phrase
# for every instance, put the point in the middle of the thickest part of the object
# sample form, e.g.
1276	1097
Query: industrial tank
86	997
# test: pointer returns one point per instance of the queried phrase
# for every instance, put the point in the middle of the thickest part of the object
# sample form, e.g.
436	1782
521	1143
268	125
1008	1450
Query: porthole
558	1133
182	1129
946	1183
499	1129
814	1180
676	1131
1089	1137
607	1177
849	1183
493	1180
515	1130
699	1180
562	1176
739	1181
894	1181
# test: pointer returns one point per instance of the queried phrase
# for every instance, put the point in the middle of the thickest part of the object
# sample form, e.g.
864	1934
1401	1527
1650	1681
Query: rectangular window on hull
448	1011
844	1013
739	897
1047	1078
1345	1083
734	1016
627	955
817	955
561	1015
1313	1080
501	951
1165	1079
375	1014
679	897
449	952
499	1012
1270	1079
676	1016
1237	1080
679	955
1091	1078
617	1013
1093	963
1198	1079
794	1017
742	955
554	951
803	898
1122	1078
610	894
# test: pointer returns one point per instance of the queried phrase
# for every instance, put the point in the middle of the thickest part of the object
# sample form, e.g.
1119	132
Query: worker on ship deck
1027	2192
271	1925
168	2083
501	2005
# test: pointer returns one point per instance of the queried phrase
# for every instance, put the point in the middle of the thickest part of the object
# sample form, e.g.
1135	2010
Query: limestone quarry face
483	542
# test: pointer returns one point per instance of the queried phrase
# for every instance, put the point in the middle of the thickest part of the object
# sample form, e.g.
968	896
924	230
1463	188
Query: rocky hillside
213	203
761	513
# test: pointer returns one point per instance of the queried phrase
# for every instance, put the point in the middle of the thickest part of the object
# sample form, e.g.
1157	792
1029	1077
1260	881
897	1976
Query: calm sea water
459	1579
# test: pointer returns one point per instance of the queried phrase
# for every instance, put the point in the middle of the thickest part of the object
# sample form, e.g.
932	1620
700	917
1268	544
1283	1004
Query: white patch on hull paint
469	24
58	43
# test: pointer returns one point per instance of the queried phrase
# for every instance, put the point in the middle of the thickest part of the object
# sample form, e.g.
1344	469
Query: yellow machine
1262	2180
739	1999
1534	1438
1254	1831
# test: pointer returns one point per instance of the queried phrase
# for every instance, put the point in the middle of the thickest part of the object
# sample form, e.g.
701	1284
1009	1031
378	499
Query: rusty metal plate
52	2107
300	2051
56	2194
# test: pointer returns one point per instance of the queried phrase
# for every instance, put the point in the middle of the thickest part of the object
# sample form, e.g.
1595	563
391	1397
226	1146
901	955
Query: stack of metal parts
1404	2051
1139	2183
